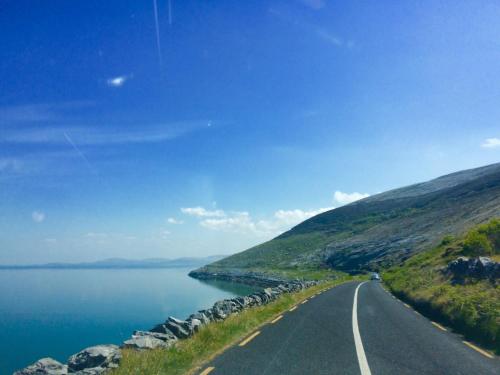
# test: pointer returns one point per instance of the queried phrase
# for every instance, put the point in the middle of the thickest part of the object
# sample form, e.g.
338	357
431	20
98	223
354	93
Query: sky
170	128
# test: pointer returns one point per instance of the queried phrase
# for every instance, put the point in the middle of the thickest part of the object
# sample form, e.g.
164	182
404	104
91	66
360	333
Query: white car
375	276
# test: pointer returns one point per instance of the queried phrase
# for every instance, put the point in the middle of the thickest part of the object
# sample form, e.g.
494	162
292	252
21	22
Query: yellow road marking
439	326
293	308
304	301
249	338
483	352
406	305
207	371
275	320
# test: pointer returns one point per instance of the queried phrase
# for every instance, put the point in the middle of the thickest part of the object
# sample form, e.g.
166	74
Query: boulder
160	336
44	366
265	298
194	324
459	266
480	267
201	316
144	340
95	360
206	315
180	328
161	328
144	343
222	309
257	301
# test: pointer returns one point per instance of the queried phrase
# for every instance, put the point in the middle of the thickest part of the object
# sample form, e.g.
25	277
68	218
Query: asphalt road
330	335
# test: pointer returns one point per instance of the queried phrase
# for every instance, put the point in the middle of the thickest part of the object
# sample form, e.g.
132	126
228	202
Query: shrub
447	240
477	243
492	231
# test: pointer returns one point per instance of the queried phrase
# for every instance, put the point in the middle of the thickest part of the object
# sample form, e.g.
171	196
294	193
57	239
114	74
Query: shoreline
247	278
100	359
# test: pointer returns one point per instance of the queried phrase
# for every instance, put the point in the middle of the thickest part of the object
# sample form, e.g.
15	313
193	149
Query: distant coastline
117	263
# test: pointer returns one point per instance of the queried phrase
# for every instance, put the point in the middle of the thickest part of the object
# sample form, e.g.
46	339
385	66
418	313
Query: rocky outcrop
480	267
44	366
100	359
236	276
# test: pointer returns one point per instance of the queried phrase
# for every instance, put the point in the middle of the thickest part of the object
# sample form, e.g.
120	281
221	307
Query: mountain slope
379	230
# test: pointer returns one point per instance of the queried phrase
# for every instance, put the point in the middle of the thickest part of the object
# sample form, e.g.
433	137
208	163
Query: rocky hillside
377	231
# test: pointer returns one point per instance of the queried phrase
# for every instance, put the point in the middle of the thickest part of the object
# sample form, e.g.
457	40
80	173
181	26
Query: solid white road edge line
363	363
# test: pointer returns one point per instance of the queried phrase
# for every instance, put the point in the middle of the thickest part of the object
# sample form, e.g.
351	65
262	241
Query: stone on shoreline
44	366
180	328
142	340
145	342
95	360
201	316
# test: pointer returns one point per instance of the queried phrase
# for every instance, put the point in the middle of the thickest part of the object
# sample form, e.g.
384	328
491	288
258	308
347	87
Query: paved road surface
319	337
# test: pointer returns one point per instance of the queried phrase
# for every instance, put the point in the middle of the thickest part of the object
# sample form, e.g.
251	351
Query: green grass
472	307
189	355
301	273
276	253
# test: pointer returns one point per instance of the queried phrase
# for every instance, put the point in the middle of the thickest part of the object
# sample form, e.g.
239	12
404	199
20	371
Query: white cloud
242	222
296	216
491	143
172	220
118	81
38	216
272	225
202	212
346	198
237	222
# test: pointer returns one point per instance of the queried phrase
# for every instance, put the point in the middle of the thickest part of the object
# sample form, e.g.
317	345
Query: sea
58	312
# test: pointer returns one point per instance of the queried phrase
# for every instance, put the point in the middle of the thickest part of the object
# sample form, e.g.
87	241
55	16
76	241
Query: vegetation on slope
188	355
381	230
472	306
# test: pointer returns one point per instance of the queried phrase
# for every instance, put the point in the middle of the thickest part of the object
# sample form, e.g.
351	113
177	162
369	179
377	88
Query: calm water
56	313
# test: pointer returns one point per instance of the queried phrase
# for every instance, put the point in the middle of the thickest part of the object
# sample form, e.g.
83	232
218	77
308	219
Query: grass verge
189	355
470	307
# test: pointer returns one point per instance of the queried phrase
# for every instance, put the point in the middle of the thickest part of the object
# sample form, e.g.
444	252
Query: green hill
378	231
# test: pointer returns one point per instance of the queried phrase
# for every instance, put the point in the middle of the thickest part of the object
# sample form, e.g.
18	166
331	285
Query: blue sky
231	121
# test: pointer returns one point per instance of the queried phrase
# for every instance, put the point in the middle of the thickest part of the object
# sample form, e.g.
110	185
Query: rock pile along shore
101	359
